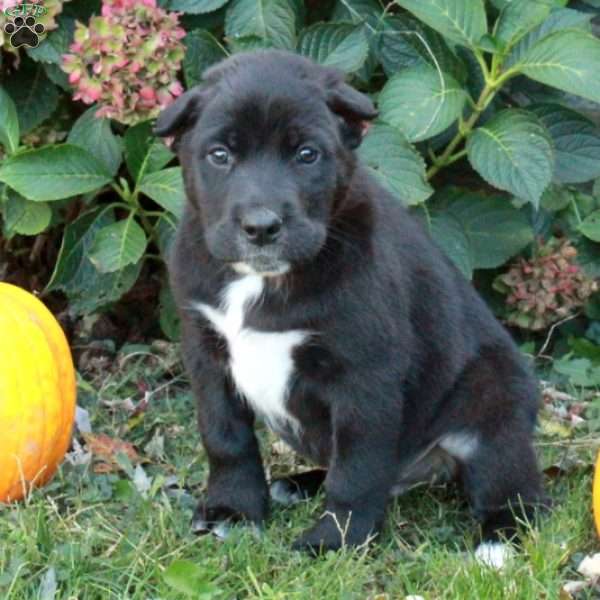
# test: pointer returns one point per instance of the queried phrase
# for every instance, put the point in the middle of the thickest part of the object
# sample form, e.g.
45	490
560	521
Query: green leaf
460	21
188	578
54	172
168	317
513	152
86	288
82	11
450	235
34	95
272	20
196	7
202	51
165	228
395	163
421	102
166	188
74	248
495	229
579	371
518	18
95	135
501	4
56	43
57	76
247	44
213	21
585	348
118	245
25	217
9	123
404	41
339	45
568	60
489	43
590	226
576	142
560	19
556	198
588	256
357	12
143	152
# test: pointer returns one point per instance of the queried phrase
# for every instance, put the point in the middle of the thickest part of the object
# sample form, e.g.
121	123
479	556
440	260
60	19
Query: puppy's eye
219	156
307	155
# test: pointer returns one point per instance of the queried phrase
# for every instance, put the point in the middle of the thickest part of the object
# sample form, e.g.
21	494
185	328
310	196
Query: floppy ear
355	108
179	116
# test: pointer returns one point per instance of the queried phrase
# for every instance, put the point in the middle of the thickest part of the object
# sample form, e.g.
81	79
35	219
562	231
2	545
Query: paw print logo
24	32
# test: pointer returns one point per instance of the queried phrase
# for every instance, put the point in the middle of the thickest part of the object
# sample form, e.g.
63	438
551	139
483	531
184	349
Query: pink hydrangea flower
546	288
127	60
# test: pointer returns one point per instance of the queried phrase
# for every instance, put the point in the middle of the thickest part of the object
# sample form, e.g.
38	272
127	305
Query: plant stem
456	156
482	64
576	210
146	224
486	96
121	192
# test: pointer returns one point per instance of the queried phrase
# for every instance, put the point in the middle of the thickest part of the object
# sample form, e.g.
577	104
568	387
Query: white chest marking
261	362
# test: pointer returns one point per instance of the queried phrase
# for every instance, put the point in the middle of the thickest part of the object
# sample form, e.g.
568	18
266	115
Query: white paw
220	530
282	493
493	554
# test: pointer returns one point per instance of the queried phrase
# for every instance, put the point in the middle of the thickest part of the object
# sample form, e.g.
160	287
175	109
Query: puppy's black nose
261	226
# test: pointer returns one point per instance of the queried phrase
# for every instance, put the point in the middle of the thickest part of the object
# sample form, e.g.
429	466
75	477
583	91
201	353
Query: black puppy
311	299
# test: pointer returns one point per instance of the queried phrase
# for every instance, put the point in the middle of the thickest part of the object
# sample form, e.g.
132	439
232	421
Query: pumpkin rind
37	393
596	494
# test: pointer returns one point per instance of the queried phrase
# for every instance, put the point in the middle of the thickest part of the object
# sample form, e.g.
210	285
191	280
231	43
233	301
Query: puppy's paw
286	492
333	532
314	542
218	521
494	555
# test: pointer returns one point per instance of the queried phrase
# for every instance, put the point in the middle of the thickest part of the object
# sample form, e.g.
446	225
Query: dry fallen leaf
105	449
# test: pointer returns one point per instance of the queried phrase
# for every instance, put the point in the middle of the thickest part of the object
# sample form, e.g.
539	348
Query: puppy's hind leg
295	488
502	481
498	467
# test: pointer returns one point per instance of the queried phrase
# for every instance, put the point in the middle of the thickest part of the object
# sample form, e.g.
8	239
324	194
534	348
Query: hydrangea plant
126	60
546	288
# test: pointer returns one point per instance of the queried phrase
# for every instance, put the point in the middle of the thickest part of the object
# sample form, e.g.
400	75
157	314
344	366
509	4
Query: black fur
405	351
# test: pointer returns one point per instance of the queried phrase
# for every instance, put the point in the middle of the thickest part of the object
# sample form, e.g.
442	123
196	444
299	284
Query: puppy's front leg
361	473
237	487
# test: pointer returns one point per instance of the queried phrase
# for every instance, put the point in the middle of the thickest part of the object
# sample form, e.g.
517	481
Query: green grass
102	540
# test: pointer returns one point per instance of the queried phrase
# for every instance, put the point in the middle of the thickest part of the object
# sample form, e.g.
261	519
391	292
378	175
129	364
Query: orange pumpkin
37	393
596	494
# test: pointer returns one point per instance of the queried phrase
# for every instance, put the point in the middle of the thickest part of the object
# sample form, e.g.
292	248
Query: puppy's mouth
261	264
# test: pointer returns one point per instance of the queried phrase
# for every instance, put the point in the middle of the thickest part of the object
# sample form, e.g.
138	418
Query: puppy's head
266	144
